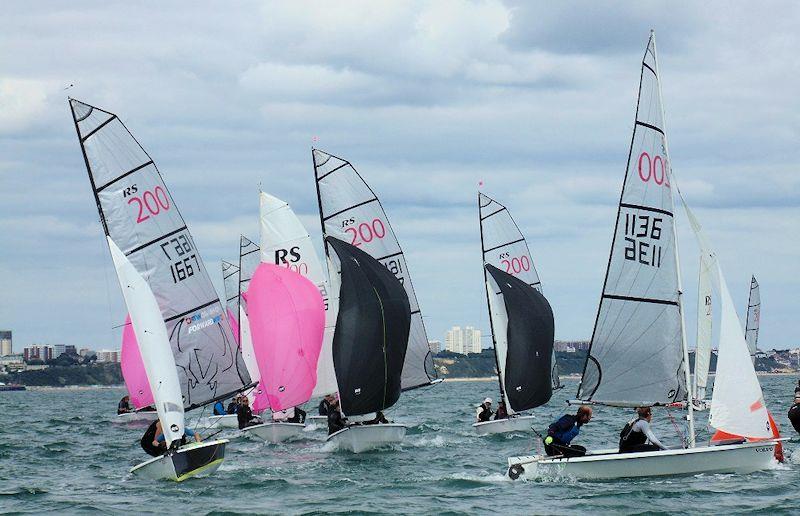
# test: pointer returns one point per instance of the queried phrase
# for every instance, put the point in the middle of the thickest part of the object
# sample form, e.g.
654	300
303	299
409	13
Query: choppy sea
60	452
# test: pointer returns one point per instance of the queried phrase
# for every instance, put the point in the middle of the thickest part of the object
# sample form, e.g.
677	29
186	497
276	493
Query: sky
425	99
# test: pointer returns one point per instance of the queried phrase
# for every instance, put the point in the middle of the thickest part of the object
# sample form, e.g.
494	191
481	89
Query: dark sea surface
60	452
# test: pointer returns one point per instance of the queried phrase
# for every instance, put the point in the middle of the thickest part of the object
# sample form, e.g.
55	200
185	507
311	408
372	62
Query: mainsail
139	214
285	242
230	282
504	246
702	353
287	321
350	211
372	328
636	352
524	339
753	317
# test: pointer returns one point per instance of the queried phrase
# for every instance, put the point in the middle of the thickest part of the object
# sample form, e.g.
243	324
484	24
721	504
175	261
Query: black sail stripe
650	126
126	174
187	312
503	245
97	129
350	208
641	299
493	213
326	174
646	208
649	68
154	241
389	256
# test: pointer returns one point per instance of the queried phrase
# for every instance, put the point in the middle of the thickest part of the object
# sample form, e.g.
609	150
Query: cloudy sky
425	99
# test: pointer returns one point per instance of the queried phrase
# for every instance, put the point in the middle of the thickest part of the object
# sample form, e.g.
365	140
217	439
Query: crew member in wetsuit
233	406
336	421
124	405
379	419
149	443
298	417
794	410
245	415
325	405
501	413
560	433
637	436
219	409
484	411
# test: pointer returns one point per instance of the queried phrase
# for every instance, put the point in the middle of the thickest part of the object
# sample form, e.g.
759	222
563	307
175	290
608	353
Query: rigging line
350	208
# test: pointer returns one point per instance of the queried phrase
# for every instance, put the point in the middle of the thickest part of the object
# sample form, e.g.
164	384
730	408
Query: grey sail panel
137	211
351	212
753	317
371	336
230	282
635	355
249	258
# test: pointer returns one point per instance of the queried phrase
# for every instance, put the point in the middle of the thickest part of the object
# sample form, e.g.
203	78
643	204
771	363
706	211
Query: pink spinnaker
287	322
133	369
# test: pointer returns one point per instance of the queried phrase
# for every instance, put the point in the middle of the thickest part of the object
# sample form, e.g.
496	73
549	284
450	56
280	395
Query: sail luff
753	317
702	354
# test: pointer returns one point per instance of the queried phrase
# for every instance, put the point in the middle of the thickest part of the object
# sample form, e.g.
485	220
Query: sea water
60	451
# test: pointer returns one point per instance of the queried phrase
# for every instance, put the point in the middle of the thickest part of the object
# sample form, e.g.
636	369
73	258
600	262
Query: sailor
794	410
501	413
325	404
154	443
298	417
336	420
560	433
233	406
637	436
124	405
484	411
245	415
219	409
379	419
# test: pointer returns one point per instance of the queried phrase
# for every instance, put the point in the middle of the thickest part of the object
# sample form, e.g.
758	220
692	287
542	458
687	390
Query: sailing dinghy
369	346
186	344
638	354
520	317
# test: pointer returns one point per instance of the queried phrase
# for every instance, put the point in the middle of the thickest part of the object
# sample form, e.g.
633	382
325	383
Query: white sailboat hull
606	464
135	417
361	438
188	461
275	432
225	421
317	419
500	426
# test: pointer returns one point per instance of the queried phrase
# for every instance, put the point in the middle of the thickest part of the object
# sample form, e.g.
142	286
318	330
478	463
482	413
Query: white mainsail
636	355
154	346
702	354
351	212
753	317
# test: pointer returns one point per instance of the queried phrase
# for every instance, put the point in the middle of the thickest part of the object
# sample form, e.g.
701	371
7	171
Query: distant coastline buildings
6	345
435	345
463	340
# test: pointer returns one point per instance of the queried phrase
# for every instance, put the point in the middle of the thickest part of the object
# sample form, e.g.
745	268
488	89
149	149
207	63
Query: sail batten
351	211
138	212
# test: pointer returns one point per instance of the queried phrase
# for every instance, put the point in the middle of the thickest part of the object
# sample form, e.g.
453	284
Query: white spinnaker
154	346
248	353
351	212
636	353
702	354
753	317
285	241
499	317
737	402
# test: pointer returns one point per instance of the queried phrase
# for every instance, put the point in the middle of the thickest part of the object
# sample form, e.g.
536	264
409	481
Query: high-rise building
59	349
463	340
6	346
105	355
435	345
36	352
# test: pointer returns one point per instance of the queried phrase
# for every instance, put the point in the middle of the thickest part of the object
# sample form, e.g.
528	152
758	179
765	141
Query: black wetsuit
124	407
324	407
631	441
299	416
147	441
794	416
485	414
380	419
232	407
246	417
335	421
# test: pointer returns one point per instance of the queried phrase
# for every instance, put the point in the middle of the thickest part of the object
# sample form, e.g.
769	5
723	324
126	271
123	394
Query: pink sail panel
133	369
287	322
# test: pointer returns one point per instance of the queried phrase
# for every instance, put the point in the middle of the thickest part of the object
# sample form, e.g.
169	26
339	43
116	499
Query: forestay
504	246
525	329
636	352
372	328
350	211
139	214
753	317
285	242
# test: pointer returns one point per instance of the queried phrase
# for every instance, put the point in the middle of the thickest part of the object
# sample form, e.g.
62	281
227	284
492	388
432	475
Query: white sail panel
154	346
249	258
499	318
702	354
351	212
737	402
753	317
636	352
230	282
249	354
285	241
138	212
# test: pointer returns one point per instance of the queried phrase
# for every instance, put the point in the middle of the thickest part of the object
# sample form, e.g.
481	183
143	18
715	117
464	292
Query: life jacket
628	438
794	416
563	430
147	441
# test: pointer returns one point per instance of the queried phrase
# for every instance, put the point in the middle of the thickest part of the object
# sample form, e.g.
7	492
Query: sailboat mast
684	347
488	303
